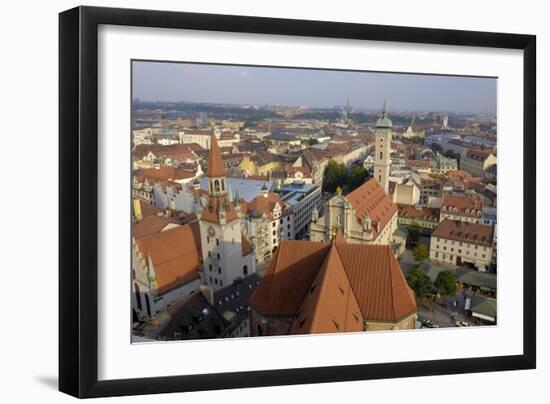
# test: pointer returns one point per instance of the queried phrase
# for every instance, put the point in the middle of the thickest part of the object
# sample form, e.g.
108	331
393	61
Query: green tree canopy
421	253
336	175
446	283
419	282
358	176
414	232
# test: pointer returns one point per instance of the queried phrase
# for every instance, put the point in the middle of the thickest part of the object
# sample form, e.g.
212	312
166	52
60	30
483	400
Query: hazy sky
315	88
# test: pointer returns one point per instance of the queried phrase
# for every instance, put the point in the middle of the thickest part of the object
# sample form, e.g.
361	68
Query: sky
157	81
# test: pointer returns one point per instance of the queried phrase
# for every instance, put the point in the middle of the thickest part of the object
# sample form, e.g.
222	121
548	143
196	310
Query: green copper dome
384	121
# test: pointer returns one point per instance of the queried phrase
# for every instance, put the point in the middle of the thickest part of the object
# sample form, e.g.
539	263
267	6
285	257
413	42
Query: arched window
217	185
138	295
223	185
245	270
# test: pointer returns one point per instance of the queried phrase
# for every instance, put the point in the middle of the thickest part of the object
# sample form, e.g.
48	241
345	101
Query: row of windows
210	268
460	251
215	281
459	243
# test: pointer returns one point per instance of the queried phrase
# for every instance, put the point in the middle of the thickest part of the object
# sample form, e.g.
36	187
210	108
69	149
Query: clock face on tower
211	232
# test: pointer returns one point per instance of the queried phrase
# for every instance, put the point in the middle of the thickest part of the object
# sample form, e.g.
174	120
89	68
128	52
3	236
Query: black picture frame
78	201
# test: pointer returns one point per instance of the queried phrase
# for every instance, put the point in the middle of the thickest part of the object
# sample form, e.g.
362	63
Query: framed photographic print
251	201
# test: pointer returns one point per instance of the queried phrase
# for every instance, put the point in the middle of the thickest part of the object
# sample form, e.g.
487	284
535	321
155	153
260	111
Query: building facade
462	243
165	268
365	216
477	161
461	207
268	221
303	199
226	253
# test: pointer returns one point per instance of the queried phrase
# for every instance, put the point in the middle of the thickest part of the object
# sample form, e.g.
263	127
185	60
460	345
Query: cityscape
285	201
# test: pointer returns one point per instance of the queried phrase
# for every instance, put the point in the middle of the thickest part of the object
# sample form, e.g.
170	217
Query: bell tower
382	162
223	255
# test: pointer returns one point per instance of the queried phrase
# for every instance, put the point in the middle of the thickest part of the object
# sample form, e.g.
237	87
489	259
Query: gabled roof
355	275
264	205
174	151
150	225
176	255
148	209
215	162
371	200
163	173
330	304
472	233
465	205
288	277
262	157
412	212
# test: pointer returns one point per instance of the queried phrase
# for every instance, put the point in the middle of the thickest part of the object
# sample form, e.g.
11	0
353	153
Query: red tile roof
163	173
419	163
210	212
265	205
215	162
371	200
176	255
373	283
175	151
150	225
330	304
420	213
472	233
465	205
245	246
148	209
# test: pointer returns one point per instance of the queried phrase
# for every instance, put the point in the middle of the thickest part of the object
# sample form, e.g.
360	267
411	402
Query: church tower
226	256
382	149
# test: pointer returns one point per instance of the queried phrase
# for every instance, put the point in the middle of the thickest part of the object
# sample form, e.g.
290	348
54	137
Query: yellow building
260	163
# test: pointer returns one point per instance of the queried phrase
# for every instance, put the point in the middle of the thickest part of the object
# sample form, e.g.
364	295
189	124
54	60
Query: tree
446	283
358	176
336	175
414	233
421	253
419	282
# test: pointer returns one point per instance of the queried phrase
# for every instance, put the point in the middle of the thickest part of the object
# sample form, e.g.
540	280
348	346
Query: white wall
29	348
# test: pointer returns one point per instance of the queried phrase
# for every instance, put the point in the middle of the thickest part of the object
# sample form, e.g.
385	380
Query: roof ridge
323	281
388	249
274	263
349	282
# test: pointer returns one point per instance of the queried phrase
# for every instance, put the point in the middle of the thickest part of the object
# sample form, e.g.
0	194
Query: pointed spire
215	162
384	121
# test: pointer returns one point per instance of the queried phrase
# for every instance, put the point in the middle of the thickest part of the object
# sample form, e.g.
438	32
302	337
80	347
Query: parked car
429	324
